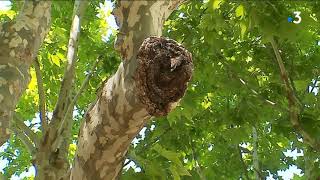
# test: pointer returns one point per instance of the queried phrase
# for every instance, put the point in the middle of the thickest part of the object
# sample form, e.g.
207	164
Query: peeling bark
122	106
19	43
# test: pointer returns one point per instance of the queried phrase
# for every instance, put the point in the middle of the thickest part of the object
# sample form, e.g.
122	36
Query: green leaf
55	59
301	85
217	3
240	11
172	156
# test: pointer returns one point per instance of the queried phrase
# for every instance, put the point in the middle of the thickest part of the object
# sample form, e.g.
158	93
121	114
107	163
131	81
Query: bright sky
286	175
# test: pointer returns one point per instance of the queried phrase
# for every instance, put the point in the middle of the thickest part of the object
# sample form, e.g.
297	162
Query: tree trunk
19	44
149	82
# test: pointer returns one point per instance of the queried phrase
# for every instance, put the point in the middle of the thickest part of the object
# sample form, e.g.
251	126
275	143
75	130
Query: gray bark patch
164	70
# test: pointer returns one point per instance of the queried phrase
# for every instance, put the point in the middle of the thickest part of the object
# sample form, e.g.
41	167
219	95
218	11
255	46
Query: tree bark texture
51	158
19	44
150	81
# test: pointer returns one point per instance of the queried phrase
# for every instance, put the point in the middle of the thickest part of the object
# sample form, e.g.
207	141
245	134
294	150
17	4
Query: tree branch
24	139
42	97
73	102
51	137
67	82
294	103
27	130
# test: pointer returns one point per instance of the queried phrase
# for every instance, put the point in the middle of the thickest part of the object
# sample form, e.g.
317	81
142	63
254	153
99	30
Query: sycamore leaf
174	172
301	85
55	59
33	82
240	11
172	156
217	4
243	28
10	13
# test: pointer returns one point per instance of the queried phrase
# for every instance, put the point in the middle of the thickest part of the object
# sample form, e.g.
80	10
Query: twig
20	124
83	85
42	97
24	139
293	101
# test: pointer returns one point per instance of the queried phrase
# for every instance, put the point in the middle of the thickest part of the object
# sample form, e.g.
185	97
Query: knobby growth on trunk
163	72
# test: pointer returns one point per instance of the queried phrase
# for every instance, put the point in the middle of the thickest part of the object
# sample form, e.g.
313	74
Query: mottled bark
123	105
19	44
51	158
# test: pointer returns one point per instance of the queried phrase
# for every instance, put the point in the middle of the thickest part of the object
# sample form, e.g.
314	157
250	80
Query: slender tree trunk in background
19	44
255	154
149	82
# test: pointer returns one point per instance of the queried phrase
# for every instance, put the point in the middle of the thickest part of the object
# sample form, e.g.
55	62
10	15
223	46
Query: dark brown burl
163	72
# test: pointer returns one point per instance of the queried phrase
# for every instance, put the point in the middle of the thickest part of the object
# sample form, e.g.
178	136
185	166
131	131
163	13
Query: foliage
210	133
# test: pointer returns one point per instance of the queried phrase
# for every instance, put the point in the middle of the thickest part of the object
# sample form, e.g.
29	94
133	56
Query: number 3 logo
297	16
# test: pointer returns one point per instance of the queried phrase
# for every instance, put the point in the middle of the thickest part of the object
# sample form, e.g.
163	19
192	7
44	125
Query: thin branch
74	100
66	86
244	166
42	97
294	103
24	139
83	86
27	130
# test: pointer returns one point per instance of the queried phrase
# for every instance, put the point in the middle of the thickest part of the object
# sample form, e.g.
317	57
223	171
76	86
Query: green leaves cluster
236	86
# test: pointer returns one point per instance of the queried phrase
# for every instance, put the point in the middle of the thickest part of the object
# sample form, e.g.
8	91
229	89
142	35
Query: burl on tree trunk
149	82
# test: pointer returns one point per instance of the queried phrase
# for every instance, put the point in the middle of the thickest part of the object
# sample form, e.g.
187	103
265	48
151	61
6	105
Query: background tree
252	99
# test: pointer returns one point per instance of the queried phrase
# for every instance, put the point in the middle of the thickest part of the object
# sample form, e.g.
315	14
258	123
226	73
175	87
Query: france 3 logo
297	18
